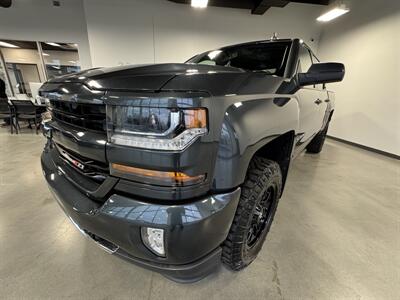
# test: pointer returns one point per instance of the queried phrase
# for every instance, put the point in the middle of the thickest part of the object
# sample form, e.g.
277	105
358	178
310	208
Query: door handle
318	101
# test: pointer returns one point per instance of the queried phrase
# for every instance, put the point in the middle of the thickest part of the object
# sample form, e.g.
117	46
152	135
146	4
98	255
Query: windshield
268	57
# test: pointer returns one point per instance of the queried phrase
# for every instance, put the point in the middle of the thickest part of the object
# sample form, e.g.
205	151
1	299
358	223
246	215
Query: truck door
324	103
312	104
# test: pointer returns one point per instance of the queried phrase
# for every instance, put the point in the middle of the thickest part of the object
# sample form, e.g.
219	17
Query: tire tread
259	172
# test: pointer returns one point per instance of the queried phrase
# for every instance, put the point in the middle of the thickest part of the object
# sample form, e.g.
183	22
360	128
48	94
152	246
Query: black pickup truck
177	167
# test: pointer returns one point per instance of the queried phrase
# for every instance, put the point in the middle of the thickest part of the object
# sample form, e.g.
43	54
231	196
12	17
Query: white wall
117	32
143	31
367	41
33	20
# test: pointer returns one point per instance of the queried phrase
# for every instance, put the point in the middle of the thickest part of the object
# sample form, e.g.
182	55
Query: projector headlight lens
153	238
155	128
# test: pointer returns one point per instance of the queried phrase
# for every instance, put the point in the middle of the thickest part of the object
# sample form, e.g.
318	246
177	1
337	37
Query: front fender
247	127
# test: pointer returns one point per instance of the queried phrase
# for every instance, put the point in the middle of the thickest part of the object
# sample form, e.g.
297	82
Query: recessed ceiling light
54	44
199	3
8	45
333	14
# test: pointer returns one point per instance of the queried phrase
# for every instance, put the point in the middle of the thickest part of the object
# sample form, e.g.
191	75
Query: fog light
153	238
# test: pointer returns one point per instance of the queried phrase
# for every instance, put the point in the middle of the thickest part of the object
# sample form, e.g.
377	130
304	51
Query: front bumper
194	230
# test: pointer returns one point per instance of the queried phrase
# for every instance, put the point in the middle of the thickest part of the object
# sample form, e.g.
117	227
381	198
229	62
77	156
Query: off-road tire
318	141
262	175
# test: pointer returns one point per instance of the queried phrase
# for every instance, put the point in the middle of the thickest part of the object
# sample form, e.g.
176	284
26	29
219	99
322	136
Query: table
40	108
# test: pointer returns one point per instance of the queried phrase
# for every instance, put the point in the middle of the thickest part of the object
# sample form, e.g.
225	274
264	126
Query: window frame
306	48
312	57
280	71
41	65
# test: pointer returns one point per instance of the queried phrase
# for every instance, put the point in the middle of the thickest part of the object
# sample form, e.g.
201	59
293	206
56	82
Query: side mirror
322	73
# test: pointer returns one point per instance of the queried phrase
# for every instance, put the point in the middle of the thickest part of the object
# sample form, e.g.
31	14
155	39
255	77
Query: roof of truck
259	42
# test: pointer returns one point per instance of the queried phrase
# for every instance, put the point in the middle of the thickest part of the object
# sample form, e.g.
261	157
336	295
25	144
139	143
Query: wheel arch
279	150
259	127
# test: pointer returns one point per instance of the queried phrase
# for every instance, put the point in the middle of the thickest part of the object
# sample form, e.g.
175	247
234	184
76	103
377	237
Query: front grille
96	170
82	115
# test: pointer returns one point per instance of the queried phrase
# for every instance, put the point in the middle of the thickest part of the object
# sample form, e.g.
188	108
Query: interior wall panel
142	31
367	41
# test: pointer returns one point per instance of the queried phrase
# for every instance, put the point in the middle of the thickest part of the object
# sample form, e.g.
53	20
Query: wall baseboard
388	154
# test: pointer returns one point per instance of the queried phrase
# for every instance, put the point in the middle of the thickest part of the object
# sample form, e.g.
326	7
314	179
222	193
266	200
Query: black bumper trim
194	230
187	273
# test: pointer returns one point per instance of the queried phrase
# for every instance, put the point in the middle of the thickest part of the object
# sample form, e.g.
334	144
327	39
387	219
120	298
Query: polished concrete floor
336	236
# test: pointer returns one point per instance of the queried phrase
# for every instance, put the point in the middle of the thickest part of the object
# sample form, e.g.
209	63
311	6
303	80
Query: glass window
23	65
268	57
60	58
23	69
22	76
3	83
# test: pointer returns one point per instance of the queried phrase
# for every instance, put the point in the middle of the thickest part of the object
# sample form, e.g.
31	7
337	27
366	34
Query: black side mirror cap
320	73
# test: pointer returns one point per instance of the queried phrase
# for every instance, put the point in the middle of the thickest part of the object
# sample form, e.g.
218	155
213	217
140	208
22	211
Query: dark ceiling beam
231	3
5	3
261	6
258	7
320	2
244	4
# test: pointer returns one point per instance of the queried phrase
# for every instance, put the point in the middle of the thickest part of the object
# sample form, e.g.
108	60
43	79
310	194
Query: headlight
170	129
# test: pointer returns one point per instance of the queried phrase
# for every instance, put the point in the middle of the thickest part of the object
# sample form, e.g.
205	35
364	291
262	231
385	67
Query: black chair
26	110
7	112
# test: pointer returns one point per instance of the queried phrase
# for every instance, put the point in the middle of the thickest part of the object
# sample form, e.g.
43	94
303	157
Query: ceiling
257	7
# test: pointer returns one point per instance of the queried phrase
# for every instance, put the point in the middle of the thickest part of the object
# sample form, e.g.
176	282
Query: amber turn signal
195	118
163	178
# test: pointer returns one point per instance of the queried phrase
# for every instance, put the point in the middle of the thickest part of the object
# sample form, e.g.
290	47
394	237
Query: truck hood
139	77
216	80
